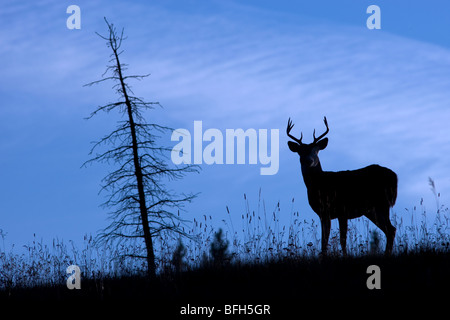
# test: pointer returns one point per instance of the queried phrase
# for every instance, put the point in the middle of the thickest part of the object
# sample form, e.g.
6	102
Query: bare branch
140	201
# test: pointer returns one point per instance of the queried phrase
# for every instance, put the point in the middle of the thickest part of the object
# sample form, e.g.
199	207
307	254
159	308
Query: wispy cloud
386	97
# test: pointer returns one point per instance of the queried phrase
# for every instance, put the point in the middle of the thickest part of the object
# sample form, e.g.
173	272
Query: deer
370	191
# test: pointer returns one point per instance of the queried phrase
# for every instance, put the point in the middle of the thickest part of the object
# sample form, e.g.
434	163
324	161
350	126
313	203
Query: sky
230	64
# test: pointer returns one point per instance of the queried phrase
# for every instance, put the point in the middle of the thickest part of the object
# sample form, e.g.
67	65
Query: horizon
231	65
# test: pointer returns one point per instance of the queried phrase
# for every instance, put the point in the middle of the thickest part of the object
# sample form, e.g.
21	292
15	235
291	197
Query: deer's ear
322	144
294	147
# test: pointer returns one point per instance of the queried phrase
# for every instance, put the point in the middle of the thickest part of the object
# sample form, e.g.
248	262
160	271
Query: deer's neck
312	175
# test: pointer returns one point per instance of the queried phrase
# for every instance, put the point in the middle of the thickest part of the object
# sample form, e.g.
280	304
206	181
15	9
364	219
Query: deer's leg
343	235
390	236
326	226
380	217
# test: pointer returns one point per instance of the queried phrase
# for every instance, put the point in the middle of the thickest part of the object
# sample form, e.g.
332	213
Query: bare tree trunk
143	206
151	266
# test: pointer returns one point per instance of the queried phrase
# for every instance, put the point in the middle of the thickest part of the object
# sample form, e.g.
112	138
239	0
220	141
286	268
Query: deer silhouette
369	191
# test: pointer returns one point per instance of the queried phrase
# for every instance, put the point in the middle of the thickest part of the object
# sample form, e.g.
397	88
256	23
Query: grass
260	261
290	286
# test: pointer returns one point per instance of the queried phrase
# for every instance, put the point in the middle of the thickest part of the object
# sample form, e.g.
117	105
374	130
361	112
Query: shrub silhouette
374	242
178	256
219	249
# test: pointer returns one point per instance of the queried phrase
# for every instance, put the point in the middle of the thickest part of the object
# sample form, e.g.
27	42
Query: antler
322	135
288	130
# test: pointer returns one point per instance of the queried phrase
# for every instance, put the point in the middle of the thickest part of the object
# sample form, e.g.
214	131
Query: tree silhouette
219	249
143	205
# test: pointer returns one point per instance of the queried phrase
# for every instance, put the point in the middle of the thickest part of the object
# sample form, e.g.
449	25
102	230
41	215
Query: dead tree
143	205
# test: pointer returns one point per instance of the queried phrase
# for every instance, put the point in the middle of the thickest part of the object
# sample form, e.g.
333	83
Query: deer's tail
391	189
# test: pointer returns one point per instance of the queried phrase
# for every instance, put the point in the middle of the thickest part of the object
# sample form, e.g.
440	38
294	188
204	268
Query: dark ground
289	286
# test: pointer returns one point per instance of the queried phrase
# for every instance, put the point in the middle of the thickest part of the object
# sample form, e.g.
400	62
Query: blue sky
231	64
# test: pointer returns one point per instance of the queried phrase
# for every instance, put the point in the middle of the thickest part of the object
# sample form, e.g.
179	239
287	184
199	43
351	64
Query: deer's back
354	192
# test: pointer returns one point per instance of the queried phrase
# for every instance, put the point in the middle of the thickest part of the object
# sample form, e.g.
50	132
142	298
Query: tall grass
259	237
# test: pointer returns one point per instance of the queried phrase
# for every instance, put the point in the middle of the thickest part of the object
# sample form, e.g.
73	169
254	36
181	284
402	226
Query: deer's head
309	153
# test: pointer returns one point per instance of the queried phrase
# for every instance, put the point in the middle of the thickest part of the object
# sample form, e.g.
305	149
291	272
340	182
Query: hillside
284	285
